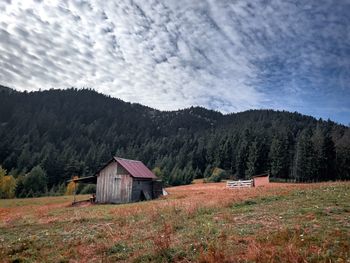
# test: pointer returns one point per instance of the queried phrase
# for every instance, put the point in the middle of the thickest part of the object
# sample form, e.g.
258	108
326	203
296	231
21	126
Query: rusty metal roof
136	168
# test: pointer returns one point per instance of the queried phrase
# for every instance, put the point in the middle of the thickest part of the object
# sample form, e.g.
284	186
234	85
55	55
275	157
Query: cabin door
116	182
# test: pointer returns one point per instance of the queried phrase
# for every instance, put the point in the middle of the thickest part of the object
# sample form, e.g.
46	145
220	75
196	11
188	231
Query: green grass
303	225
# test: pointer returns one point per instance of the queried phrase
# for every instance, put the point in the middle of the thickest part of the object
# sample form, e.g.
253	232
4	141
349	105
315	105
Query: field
194	223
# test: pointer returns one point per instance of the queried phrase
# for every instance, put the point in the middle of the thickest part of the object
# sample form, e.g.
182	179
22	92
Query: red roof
136	168
261	175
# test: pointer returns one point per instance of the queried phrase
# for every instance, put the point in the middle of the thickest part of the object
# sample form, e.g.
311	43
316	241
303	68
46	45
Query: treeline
73	132
310	155
34	184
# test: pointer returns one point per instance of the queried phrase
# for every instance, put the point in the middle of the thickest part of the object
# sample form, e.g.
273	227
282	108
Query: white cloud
165	54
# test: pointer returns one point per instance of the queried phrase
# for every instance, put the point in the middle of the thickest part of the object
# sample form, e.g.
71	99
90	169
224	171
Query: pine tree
24	160
343	156
207	171
253	159
225	154
305	167
318	142
330	158
197	173
19	190
241	160
278	156
189	174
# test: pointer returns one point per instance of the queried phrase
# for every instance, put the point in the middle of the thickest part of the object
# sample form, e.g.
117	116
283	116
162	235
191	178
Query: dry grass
197	223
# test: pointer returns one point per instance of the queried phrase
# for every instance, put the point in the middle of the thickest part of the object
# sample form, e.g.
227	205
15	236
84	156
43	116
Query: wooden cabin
124	181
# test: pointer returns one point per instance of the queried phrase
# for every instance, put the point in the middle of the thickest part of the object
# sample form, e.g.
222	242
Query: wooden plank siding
114	185
124	181
141	185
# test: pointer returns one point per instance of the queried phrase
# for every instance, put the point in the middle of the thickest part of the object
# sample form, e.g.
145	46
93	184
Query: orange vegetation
198	223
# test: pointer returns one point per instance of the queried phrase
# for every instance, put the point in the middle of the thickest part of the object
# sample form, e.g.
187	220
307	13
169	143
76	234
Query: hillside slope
72	132
194	223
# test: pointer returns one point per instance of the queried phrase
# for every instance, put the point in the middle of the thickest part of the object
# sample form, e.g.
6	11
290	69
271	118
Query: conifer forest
47	137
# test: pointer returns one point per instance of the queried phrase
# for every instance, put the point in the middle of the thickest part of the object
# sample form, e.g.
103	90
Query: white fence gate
239	184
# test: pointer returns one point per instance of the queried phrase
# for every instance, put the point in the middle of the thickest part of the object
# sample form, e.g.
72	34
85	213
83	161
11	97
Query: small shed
124	181
261	180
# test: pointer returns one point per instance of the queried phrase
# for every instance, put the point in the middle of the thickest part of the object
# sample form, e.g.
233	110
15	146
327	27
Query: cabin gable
123	181
114	184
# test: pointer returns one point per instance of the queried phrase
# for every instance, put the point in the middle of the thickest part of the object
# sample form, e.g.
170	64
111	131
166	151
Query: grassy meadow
194	223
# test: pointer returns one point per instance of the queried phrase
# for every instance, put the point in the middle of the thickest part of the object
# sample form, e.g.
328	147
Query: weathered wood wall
157	189
141	185
261	181
114	185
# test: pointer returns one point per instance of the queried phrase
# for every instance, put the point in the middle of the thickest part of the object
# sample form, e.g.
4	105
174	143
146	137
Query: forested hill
72	132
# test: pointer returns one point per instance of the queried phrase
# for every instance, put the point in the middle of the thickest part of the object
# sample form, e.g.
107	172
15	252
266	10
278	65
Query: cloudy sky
168	54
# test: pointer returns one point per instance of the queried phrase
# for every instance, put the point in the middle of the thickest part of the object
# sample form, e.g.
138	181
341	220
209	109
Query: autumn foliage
7	184
71	187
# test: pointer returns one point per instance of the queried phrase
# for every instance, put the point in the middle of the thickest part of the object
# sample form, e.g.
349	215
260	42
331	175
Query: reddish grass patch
198	223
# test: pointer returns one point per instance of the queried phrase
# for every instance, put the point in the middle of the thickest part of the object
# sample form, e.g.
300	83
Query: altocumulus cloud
226	55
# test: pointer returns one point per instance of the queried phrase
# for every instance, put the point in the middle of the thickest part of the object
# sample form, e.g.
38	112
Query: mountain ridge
80	129
190	108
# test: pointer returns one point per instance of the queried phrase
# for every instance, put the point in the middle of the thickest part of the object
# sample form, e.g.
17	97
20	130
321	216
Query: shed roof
261	175
87	179
136	168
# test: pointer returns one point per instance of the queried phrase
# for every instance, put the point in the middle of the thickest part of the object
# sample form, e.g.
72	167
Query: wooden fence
239	184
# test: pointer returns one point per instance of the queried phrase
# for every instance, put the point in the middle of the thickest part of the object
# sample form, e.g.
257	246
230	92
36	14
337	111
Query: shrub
72	187
7	186
88	189
217	175
34	183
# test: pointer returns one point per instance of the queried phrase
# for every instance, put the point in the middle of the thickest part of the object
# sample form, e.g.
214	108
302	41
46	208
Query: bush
35	182
7	186
88	189
216	176
72	187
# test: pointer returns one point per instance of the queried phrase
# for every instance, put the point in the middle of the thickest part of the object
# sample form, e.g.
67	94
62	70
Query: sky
229	56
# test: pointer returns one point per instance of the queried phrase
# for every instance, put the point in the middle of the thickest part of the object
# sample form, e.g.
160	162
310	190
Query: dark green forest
65	133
